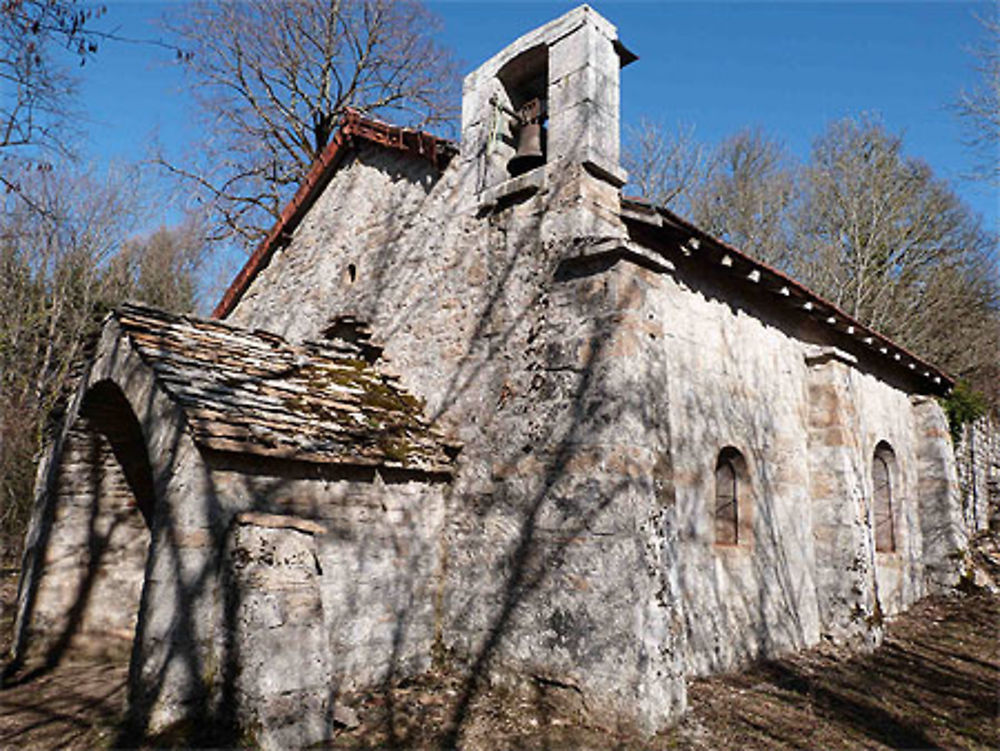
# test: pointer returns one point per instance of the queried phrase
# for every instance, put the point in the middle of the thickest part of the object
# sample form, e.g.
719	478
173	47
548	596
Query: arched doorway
94	561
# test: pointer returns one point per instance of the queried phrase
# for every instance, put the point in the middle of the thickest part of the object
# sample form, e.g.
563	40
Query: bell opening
525	82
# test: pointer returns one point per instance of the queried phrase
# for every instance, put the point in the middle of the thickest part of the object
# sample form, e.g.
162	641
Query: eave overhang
661	227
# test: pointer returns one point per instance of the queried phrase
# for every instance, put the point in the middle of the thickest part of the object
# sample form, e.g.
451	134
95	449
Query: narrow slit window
885	531
726	503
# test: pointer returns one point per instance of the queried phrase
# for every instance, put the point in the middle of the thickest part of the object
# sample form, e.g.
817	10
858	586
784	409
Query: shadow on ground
933	684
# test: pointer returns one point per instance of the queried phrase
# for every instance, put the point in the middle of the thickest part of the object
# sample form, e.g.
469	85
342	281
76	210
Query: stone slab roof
253	392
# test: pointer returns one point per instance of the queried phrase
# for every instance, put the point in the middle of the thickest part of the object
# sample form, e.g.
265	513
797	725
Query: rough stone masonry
512	423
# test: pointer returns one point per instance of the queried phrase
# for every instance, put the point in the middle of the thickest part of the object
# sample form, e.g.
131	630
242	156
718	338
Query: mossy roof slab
254	392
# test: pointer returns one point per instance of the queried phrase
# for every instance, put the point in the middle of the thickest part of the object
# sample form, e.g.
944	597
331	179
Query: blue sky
787	67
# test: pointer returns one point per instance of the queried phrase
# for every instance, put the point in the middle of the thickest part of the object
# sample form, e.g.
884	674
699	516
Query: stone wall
96	555
515	353
332	588
944	535
978	458
357	553
592	396
282	672
742	373
376	543
230	576
592	384
163	601
593	376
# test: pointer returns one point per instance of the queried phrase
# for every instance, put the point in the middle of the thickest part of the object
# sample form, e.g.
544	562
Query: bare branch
663	166
273	79
65	258
979	107
35	98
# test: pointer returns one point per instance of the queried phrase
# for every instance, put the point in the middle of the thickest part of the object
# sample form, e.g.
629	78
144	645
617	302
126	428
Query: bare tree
273	78
63	264
161	269
893	245
873	222
862	224
663	166
747	196
953	318
980	106
742	190
51	256
36	89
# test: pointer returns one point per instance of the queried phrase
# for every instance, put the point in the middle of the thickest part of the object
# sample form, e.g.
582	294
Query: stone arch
92	568
107	409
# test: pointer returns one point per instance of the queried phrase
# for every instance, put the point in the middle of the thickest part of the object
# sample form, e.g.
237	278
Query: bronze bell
529	152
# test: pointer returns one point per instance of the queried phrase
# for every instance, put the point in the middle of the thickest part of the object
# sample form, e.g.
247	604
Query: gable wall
365	218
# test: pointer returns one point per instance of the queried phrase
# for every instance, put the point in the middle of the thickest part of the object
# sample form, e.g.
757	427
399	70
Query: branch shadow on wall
537	373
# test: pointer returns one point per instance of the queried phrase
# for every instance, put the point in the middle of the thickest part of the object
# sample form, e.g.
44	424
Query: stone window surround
884	456
732	457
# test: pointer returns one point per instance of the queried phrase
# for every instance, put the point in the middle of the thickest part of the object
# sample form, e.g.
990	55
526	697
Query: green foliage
963	405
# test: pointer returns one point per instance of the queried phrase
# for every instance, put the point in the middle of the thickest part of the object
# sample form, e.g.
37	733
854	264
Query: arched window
727	498
882	500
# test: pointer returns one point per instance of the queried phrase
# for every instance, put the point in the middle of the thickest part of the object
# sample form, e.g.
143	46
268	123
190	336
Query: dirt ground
934	683
75	706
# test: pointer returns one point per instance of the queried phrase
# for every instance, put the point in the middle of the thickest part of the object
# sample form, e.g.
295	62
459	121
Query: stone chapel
467	404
